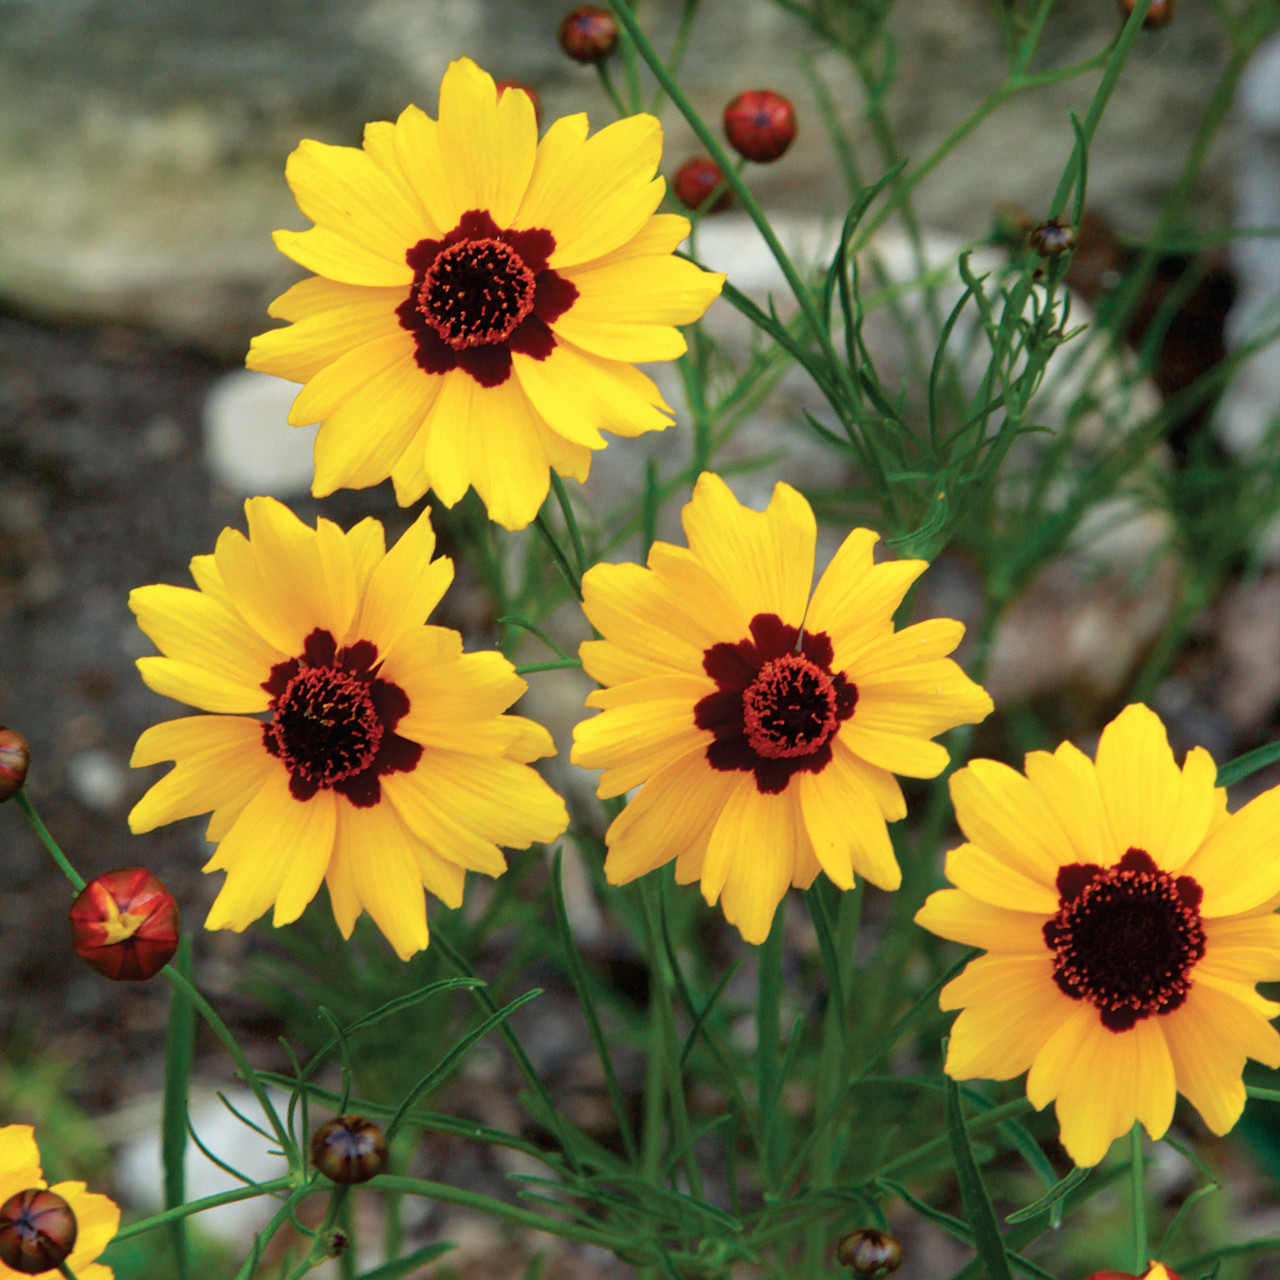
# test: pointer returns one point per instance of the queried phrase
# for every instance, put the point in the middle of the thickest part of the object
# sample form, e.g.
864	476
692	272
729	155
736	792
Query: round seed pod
125	924
1159	15
760	124
37	1231
588	34
869	1252
694	182
1053	238
15	760
349	1149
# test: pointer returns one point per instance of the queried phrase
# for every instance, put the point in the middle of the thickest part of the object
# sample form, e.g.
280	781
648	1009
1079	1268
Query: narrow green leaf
179	1052
973	1193
1241	767
1054	1196
402	1266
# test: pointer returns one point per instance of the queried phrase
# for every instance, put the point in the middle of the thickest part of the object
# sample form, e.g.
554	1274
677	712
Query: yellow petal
845	824
594	194
349	317
1140	783
385	874
672	813
632	743
901	753
237	566
1010	1009
1244	949
663	233
918	701
19	1160
501	800
997	881
404	588
648	290
346	191
954	914
1002	813
330	254
221	762
507	463
764	559
417	146
262	851
197	687
618	340
1067	785
1238	865
447	687
415	800
97	1221
387	357
487	143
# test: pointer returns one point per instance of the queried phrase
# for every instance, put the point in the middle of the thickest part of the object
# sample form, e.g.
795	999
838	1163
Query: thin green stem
552	664
570	523
42	832
769	1041
1138	1193
205	1202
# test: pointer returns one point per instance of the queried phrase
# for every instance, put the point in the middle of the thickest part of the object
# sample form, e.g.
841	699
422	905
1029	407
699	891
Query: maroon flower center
332	721
777	703
789	709
476	292
1125	938
480	293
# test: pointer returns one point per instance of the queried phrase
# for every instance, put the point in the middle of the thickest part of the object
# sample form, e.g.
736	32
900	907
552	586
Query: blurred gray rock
249	446
142	142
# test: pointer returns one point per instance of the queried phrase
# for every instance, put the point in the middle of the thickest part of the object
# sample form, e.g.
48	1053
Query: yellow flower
97	1217
1127	918
763	727
352	744
479	297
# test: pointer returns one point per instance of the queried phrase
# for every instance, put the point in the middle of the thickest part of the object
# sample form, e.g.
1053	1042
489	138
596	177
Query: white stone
249	446
97	779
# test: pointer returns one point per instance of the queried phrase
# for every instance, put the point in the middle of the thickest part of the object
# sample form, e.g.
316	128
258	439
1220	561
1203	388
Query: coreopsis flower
349	743
35	1227
479	298
763	727
1126	918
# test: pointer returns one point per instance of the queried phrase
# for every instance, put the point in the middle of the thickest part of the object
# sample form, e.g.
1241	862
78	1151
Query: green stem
206	1202
28	812
1137	1176
769	1040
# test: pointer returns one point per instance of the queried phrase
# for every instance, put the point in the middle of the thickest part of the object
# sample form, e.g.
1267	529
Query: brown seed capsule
869	1252
349	1149
15	760
1053	238
694	182
504	85
588	34
760	124
125	924
37	1231
1159	15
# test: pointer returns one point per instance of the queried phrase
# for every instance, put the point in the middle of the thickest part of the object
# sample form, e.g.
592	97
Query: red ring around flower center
1125	938
476	292
326	726
789	709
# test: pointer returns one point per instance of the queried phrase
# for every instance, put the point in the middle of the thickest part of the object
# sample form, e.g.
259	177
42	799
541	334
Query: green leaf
402	1266
1048	1201
973	1193
1242	766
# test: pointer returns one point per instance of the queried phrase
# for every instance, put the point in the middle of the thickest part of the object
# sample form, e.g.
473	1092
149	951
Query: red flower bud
15	760
1159	15
349	1149
125	924
694	182
504	85
1053	238
37	1231
869	1252
588	34
1157	1272
760	124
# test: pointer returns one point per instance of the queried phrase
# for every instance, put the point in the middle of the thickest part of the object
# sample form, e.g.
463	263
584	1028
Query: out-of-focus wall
142	142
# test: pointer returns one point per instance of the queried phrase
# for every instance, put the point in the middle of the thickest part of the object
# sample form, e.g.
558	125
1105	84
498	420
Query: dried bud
504	85
1159	15
125	924
349	1149
760	124
1053	238
37	1231
336	1244
15	760
588	34
694	182
869	1252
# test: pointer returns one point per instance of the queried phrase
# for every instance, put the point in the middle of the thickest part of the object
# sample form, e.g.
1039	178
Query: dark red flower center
332	719
1126	938
476	291
479	294
777	705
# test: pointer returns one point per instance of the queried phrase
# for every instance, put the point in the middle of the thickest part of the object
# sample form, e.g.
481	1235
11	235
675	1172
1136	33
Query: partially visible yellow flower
480	297
1127	918
763	727
97	1216
351	744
